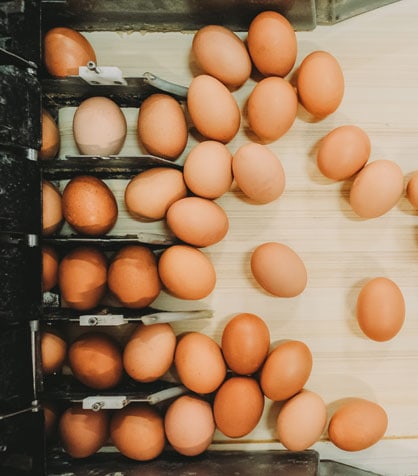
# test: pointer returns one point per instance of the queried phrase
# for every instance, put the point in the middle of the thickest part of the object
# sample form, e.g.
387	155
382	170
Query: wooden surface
378	54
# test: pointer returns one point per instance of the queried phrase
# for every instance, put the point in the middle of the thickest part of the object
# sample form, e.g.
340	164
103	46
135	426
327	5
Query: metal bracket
105	75
102	320
102	402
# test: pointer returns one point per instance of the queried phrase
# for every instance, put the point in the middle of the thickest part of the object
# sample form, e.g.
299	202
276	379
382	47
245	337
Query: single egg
50	262
53	352
82	276
199	362
213	109
271	108
357	424
133	276
50	137
258	172
208	169
286	370
150	193
189	425
99	127
51	418
412	190
238	406
343	152
377	188
52	215
95	360
222	54
272	43
149	352
89	205
162	126
278	269
301	421
245	343
320	83
197	221
186	272
137	431
380	309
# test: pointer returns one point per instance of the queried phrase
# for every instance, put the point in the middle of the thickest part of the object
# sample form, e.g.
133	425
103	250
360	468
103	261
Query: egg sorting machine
25	87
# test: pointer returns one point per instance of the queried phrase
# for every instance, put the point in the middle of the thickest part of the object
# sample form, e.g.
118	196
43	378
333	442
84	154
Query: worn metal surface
333	11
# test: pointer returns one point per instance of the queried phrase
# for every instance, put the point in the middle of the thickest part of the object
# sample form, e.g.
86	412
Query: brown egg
377	188
50	137
301	421
82	276
133	276
357	424
271	108
53	352
320	83
186	272
213	109
245	343
162	126
150	193
49	268
65	50
238	406
222	54
52	216
99	127
83	432
89	205
95	360
272	44
286	370
278	269
258	172
380	309
137	431
189	425
51	414
149	352
343	152
199	362
197	221
412	190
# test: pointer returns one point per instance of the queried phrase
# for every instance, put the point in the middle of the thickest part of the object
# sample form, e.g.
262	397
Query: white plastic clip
102	320
103	75
105	402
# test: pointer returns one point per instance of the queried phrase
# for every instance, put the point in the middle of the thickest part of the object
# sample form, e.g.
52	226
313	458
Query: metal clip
105	75
103	402
102	320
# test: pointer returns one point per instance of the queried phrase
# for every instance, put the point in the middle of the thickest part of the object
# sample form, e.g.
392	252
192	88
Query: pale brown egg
149	352
380	309
52	216
83	432
95	360
271	108
320	83
162	126
50	263
301	421
189	425
50	137
208	169
272	43
199	362
412	190
357	424
82	275
133	276
89	205
238	406
197	221
53	351
286	370
343	152
222	54
137	431
258	172
377	188
213	109
186	272
99	127
245	343
150	193
278	269
65	50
